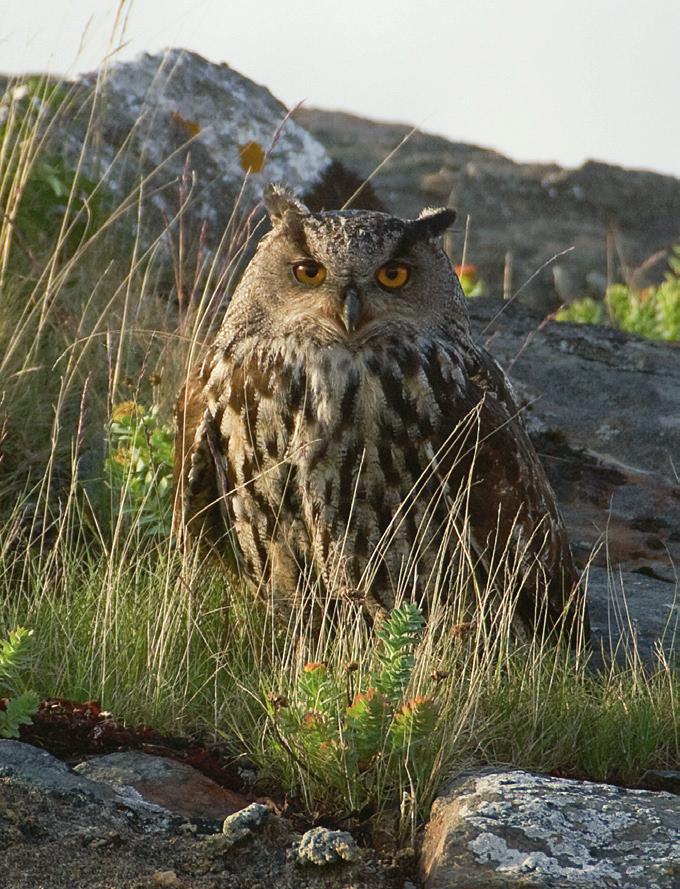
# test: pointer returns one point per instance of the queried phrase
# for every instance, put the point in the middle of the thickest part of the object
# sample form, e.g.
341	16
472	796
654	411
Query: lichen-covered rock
515	829
175	132
321	846
237	134
241	824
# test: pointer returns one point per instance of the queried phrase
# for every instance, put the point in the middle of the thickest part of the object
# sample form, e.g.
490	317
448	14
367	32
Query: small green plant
48	190
139	466
42	192
652	312
583	311
18	709
472	284
339	732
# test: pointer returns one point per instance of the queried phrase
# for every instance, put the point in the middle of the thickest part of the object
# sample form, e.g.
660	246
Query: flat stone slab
38	769
515	829
176	787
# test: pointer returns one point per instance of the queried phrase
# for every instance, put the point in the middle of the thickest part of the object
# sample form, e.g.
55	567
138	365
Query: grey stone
72	841
632	613
29	764
321	846
39	769
610	393
174	786
188	134
531	211
667	780
516	829
176	104
420	172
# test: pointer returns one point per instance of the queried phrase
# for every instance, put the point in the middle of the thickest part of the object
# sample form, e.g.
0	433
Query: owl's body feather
353	435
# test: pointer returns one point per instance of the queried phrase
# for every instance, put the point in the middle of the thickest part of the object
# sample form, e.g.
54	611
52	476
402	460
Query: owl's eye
393	274
309	272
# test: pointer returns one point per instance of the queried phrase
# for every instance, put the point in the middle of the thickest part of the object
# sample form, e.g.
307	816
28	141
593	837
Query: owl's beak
351	308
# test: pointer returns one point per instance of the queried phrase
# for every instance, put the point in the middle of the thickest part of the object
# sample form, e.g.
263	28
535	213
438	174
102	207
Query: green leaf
14	652
398	637
18	711
367	719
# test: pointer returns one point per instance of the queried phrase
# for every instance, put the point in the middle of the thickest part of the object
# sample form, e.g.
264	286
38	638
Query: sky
545	80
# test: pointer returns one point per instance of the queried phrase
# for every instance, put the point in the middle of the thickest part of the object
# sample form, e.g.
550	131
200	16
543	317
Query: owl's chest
336	434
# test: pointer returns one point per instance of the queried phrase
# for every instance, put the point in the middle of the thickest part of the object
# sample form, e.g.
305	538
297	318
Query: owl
346	431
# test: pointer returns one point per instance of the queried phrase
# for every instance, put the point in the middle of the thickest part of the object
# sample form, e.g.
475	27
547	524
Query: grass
88	321
166	640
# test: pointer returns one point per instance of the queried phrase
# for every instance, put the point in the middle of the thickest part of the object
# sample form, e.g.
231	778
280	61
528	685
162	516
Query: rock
39	769
176	787
241	825
658	779
167	879
598	386
421	172
321	846
515	829
200	137
98	840
63	830
530	211
601	407
631	612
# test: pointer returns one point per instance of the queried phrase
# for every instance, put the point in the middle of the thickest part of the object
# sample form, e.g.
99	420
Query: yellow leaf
252	157
192	127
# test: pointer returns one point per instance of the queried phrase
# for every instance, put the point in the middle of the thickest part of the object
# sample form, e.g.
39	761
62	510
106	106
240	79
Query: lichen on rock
321	846
516	829
241	824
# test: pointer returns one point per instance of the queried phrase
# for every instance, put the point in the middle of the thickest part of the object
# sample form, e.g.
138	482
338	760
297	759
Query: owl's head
350	275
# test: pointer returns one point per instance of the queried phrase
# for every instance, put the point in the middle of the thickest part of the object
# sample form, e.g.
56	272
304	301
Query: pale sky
561	80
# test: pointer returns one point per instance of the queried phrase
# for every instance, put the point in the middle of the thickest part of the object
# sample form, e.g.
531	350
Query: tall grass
158	635
168	640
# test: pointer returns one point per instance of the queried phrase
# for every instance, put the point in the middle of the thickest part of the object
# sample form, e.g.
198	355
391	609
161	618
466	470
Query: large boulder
615	219
515	830
602	408
183	135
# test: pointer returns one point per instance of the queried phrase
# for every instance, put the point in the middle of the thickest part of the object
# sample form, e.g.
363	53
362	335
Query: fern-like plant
339	734
18	709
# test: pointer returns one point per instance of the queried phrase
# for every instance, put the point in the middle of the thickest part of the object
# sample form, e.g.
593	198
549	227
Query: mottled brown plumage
350	432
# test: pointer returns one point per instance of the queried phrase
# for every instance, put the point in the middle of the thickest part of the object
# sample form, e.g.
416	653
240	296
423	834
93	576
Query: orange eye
310	273
393	274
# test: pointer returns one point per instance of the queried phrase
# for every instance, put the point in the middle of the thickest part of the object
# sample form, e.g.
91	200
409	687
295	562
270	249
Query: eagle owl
344	429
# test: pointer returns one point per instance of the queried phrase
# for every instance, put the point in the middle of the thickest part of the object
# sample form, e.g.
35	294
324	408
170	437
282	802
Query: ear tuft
281	204
433	222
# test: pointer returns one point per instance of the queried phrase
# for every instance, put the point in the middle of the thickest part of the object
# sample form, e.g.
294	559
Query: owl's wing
198	467
513	510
